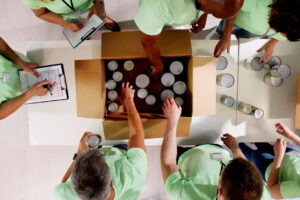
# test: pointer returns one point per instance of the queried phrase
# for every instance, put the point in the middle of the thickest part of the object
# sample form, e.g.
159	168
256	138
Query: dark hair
241	180
285	18
91	176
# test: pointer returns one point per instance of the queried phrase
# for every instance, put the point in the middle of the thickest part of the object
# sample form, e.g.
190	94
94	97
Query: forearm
10	106
53	18
295	138
237	153
8	53
228	27
68	173
152	50
274	174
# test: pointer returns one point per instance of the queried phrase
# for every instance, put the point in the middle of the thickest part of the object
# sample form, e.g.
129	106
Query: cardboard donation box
297	115
199	75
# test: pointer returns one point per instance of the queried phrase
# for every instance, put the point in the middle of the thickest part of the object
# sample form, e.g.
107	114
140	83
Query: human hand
83	146
199	24
279	148
127	92
39	89
172	111
230	141
98	8
73	26
222	45
268	48
29	67
284	130
157	71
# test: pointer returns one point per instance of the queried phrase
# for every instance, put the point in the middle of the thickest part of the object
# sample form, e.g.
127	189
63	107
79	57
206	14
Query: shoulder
64	191
33	4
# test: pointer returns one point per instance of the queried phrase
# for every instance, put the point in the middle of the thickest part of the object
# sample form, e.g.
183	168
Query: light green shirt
128	171
153	15
11	89
289	176
254	17
59	7
199	174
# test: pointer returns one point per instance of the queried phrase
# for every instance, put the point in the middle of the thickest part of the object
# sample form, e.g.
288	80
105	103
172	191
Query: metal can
272	80
142	93
225	80
142	81
254	64
282	71
168	79
179	87
112	65
117	76
128	65
176	67
111	84
245	108
179	101
222	63
112	95
150	100
166	94
257	112
227	100
275	60
94	140
113	107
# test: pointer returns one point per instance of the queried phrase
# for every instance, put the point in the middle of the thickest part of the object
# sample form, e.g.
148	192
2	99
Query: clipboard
90	27
53	73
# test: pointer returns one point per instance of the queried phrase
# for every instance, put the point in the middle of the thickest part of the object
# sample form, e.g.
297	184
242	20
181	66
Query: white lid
166	94
258	113
229	101
150	100
221	63
275	60
168	79
179	87
112	95
176	67
247	108
142	93
227	80
117	76
128	65
111	84
112	65
284	71
113	107
142	81
178	101
276	81
256	65
94	140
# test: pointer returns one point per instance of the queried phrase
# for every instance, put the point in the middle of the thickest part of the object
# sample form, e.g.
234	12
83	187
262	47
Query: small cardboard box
91	91
297	115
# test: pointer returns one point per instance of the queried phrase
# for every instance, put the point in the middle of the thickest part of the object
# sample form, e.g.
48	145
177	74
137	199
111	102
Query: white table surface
56	123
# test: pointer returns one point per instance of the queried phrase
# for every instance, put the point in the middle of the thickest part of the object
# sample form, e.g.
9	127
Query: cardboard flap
297	115
90	88
204	86
128	45
154	128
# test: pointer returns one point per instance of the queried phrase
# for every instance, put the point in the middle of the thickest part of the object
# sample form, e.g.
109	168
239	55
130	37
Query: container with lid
168	79
282	71
272	80
254	64
128	65
257	113
112	65
94	140
179	87
117	76
142	93
113	107
176	67
245	108
227	100
275	60
142	81
179	101
112	95
225	80
111	84
222	63
166	94
150	100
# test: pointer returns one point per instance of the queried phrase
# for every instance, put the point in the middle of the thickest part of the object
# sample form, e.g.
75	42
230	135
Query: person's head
91	176
240	180
285	18
221	8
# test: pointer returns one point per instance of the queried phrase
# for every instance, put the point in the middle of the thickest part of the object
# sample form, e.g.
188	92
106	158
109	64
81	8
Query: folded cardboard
297	115
91	92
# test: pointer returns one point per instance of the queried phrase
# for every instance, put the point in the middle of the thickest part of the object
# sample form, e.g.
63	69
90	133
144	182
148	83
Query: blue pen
72	20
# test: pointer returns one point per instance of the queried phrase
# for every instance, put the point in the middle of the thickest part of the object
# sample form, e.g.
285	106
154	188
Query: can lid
117	76
176	67
222	63
166	94
168	79
142	93
275	60
227	80
179	101
276	81
113	107
112	95
258	113
179	87
94	140
256	65
284	71
229	101
112	65
150	100
142	81
111	84
128	65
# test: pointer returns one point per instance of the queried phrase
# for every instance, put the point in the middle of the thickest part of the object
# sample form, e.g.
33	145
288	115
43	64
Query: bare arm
288	133
232	143
8	53
268	48
136	138
169	146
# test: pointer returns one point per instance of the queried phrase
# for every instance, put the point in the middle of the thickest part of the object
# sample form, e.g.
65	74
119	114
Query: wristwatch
75	156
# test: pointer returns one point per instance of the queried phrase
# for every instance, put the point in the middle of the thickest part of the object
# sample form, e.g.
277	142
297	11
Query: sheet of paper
52	73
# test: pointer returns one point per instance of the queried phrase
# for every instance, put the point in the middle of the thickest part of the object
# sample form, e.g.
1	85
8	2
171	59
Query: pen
74	21
48	86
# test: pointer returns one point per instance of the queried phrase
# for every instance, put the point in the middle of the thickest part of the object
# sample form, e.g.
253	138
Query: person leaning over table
279	165
108	173
274	19
60	11
11	97
153	15
206	172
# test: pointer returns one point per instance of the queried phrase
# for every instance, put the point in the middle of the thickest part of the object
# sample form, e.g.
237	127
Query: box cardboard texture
297	115
91	91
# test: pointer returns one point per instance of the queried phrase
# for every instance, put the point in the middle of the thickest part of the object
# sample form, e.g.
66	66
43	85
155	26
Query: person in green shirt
108	173
153	15
279	165
11	96
206	172
61	11
274	19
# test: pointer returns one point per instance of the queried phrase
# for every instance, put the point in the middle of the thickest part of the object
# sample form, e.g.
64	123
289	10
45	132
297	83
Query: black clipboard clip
88	34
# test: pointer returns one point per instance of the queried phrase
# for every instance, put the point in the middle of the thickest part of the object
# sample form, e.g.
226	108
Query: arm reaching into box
233	145
169	146
288	133
136	137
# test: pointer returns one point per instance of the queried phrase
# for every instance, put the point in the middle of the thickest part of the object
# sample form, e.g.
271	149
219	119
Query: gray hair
91	176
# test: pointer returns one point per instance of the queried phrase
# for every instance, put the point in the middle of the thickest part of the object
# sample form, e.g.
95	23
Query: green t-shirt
153	15
254	17
128	171
11	89
289	176
199	174
59	7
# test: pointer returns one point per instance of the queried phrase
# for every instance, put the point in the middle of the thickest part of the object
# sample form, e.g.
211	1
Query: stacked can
248	109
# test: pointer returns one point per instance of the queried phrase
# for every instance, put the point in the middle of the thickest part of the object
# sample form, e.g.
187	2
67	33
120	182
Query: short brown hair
241	180
285	18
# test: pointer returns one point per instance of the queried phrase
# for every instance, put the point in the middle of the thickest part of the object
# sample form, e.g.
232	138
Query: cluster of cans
276	71
225	80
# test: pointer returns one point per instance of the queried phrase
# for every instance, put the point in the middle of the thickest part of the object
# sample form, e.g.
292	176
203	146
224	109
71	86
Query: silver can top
94	140
112	65
113	107
176	67
142	93
179	87
258	113
282	71
168	79
179	101
222	63
128	65
228	101
117	76
275	60
112	95
256	65
150	100
111	84
142	81
226	80
166	94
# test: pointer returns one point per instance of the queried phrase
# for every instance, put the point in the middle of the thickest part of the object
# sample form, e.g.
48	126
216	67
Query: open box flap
154	128
128	45
297	115
202	81
90	88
